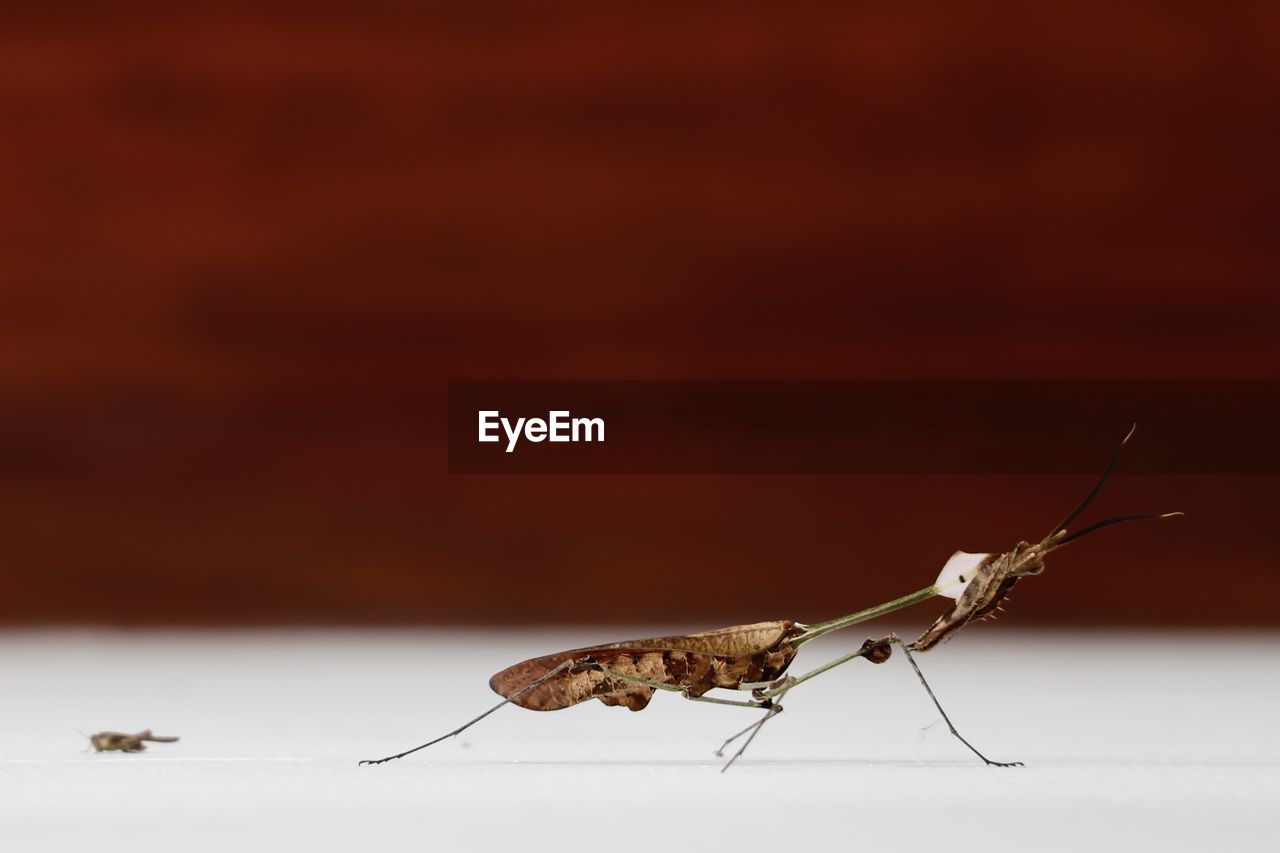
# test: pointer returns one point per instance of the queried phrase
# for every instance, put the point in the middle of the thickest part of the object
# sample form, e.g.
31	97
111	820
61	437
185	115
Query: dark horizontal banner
848	427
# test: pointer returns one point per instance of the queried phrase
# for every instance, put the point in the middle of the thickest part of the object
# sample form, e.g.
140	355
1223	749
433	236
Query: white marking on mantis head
958	573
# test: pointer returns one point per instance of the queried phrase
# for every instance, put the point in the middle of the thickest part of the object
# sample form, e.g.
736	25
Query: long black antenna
1115	519
1097	490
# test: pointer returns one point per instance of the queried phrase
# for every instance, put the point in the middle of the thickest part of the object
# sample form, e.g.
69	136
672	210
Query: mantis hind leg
564	666
906	649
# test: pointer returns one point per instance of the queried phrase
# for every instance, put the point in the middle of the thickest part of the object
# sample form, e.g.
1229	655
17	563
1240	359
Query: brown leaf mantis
754	658
109	741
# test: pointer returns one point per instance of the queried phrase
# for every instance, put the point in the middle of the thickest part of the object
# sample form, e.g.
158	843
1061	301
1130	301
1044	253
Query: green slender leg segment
906	648
876	651
814	631
614	675
731	702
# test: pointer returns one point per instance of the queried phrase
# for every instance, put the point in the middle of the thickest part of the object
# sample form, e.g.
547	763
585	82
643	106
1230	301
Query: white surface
1130	740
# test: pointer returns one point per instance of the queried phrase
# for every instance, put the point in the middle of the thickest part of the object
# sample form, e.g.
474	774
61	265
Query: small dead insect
755	658
105	741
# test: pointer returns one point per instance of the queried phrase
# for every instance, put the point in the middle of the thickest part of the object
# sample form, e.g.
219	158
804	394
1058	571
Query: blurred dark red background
246	245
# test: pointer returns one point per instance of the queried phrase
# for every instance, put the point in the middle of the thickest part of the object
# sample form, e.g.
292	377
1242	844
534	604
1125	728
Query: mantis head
980	583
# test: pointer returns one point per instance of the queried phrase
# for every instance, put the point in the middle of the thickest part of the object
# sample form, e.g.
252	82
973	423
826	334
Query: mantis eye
957	573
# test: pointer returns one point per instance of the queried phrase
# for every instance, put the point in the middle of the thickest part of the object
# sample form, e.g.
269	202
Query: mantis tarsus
754	658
